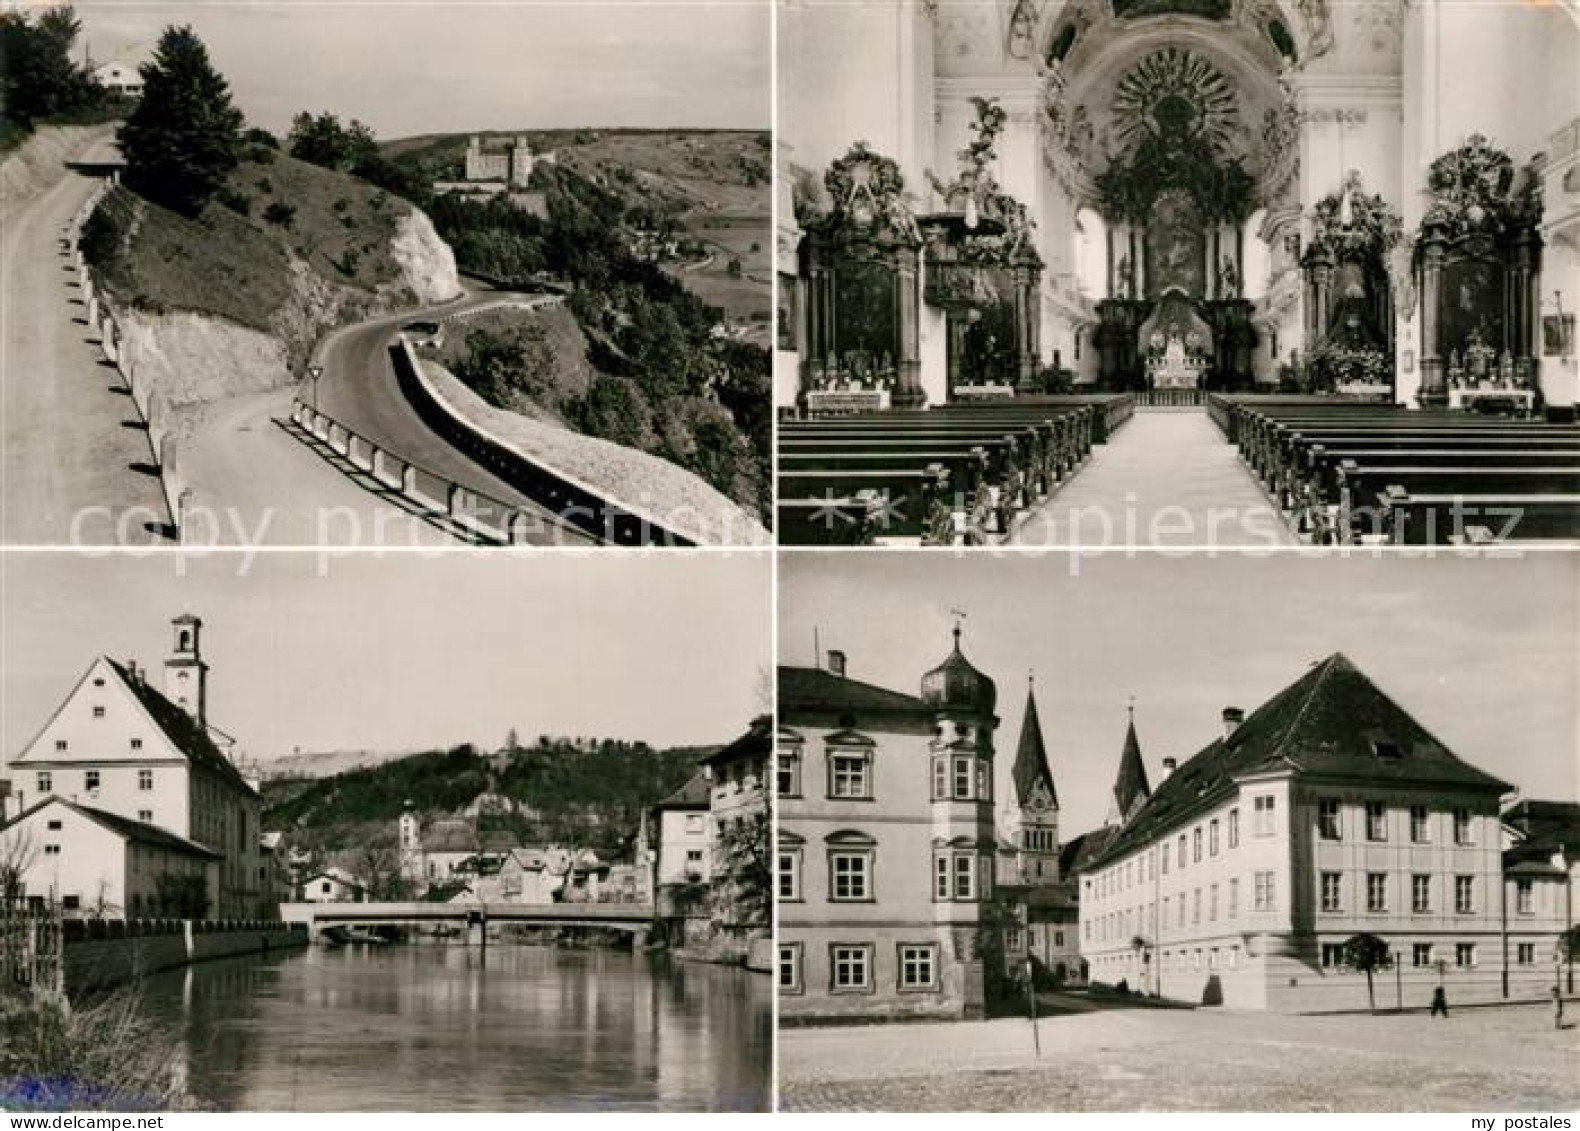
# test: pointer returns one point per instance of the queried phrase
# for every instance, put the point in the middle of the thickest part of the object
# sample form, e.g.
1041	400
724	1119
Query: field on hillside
716	182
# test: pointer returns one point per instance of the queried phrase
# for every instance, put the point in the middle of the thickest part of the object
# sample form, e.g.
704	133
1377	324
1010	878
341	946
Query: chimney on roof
1232	718
131	670
836	663
1169	766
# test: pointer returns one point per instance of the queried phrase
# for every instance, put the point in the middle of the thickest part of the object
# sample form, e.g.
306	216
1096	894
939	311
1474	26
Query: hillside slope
232	301
554	792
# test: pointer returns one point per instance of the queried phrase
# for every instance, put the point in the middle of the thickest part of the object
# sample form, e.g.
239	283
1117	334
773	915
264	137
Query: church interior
1108	207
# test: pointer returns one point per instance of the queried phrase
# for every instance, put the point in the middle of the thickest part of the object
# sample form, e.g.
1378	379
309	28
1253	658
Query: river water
444	1028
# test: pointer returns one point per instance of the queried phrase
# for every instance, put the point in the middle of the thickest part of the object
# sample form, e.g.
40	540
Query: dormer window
1386	751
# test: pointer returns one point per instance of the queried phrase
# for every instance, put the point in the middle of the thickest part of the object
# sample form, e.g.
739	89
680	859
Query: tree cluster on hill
321	139
559	791
39	82
666	385
184	138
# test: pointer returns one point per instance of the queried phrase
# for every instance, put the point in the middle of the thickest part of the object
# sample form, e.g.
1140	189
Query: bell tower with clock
186	675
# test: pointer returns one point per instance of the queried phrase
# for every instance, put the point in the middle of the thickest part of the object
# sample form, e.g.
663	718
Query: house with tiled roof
1328	812
117	745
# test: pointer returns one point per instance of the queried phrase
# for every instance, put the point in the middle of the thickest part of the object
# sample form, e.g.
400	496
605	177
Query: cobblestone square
1507	1058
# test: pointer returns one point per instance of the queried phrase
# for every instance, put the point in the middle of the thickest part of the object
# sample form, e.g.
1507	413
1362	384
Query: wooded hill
587	792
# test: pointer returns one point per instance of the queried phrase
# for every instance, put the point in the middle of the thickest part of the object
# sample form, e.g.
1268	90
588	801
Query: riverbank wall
99	955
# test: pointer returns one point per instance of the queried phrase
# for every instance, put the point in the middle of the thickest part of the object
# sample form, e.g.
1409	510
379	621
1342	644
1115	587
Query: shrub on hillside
280	213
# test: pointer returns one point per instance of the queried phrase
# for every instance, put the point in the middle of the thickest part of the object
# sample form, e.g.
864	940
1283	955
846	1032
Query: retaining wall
152	408
573	501
102	955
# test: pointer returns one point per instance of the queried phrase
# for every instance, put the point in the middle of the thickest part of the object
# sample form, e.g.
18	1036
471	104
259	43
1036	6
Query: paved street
73	443
1507	1058
359	390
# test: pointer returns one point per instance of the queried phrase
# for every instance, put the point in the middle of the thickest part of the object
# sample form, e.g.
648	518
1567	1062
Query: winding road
359	390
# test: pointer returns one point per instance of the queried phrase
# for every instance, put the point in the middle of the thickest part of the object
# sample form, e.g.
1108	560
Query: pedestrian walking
1558	1008
1439	1002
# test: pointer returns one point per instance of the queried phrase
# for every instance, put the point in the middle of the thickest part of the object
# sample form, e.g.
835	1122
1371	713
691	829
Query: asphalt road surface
77	466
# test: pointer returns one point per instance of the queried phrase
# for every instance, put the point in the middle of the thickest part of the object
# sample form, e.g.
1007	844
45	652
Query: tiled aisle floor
1168	478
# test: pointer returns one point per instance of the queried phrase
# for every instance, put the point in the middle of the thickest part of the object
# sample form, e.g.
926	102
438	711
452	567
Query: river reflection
440	1028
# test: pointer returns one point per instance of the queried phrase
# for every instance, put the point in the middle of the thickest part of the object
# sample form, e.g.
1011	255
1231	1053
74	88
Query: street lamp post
314	372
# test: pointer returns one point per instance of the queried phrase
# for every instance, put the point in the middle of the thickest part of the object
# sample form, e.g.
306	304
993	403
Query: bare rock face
189	358
427	264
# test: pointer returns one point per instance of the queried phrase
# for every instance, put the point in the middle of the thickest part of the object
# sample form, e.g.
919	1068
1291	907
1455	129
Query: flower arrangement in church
1339	362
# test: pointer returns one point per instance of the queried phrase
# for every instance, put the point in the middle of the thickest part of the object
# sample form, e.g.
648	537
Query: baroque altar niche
860	260
983	271
1176	196
1478	261
1349	292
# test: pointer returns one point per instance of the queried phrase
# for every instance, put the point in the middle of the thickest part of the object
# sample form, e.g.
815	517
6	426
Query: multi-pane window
918	966
1212	837
1212	904
1195	845
1234	898
1331	892
957	876
1332	956
850	968
1013	940
1376	820
1464	895
788	781
850	874
61	745
137	744
1234	828
146	816
1266	892
1376	891
90	780
850	775
1420	893
1328	818
1421	955
46	784
1525	954
1462	827
1264	809
1163	850
963	777
145	780
1464	954
1524	897
1180	850
789	875
1420	825
790	967
965	874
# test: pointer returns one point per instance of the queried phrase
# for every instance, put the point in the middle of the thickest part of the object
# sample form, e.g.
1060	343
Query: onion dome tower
964	844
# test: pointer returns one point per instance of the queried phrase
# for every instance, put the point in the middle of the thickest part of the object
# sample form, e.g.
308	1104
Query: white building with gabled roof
118	745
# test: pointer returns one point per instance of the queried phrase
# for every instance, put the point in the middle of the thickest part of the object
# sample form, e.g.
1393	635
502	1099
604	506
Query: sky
423	66
1483	653
407	651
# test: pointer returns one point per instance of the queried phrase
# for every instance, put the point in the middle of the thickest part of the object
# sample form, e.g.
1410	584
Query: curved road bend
359	390
74	448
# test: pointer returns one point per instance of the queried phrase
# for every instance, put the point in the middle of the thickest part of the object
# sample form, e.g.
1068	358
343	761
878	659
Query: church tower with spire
1130	787
1031	815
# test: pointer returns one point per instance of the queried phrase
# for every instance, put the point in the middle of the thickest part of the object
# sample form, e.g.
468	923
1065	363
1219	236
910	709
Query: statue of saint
1228	279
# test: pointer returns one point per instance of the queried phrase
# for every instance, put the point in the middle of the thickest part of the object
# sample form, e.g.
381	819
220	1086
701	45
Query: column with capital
1434	390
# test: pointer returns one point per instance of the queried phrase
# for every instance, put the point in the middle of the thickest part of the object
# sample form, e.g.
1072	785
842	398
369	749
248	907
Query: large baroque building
1374	197
1329	812
125	784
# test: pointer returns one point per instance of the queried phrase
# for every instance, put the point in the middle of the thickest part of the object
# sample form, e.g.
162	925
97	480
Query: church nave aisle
1166	479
